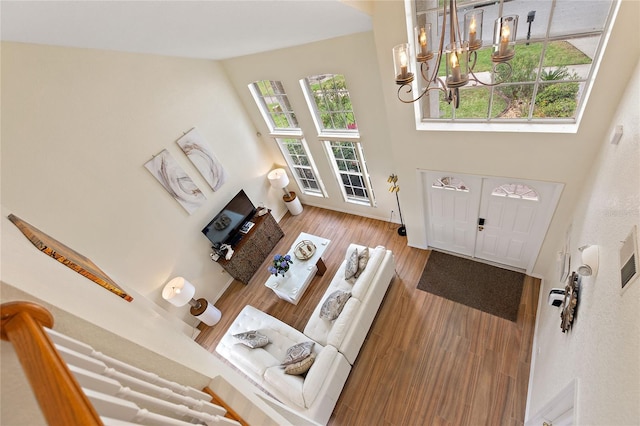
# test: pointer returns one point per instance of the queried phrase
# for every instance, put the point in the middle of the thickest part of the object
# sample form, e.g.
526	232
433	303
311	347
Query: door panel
514	226
452	213
511	223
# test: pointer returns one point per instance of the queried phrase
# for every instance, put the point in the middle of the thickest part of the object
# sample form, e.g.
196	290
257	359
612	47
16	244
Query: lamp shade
278	178
178	291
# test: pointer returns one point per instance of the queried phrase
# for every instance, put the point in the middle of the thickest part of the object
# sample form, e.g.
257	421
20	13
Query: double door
501	220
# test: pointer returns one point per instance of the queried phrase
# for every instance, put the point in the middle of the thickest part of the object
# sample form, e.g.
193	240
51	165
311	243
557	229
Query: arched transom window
450	183
516	190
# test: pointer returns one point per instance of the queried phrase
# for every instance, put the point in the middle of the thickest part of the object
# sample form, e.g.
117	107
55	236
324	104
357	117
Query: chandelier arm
496	83
424	92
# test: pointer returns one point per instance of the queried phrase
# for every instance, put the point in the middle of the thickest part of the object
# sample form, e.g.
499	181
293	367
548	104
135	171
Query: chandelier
460	54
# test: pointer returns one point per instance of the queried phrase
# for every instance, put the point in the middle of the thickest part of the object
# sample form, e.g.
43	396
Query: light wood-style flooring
426	360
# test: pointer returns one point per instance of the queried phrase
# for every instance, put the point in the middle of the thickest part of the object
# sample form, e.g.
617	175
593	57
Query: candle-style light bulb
422	39
472	31
455	66
504	40
403	64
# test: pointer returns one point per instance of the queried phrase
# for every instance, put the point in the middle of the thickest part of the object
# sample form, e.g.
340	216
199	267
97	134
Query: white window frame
321	192
315	115
370	201
288	133
538	126
257	97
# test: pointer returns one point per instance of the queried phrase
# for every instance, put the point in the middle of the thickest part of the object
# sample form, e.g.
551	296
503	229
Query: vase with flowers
280	264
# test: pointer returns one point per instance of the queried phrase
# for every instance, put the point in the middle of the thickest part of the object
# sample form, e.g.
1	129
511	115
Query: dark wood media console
254	247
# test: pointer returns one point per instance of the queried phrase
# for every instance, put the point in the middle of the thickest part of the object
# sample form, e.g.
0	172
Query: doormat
488	288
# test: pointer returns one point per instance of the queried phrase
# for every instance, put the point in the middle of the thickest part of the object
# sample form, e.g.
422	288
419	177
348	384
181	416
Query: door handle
480	224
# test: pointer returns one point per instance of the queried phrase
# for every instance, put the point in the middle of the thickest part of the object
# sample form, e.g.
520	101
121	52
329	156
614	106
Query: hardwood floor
426	360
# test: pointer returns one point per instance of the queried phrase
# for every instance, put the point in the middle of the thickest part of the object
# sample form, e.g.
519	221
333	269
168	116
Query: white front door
512	220
452	206
501	220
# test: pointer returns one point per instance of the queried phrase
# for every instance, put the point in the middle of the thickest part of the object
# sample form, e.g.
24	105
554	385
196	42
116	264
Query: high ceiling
214	29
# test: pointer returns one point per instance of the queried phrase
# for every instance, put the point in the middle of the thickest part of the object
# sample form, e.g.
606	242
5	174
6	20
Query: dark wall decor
569	308
68	257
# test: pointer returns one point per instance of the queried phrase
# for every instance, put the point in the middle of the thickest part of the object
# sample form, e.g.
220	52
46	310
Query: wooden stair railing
58	393
231	413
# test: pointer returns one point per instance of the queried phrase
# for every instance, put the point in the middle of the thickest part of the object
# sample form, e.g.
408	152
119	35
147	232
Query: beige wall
563	158
355	57
602	350
78	125
393	145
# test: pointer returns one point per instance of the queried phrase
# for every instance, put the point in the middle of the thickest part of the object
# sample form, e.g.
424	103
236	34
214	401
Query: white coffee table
292	286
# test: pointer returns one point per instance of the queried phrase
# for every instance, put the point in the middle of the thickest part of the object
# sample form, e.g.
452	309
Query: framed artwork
68	257
200	154
174	179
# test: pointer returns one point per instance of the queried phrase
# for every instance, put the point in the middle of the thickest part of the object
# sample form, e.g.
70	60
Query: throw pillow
363	259
300	367
297	353
334	304
252	339
352	265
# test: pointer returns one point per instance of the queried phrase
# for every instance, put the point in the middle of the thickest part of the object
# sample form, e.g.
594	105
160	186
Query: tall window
296	152
274	104
350	166
558	44
278	113
330	104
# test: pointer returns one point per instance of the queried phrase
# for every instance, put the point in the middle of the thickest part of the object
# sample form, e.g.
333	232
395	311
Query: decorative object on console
179	292
589	261
280	264
570	304
174	179
279	180
198	151
393	179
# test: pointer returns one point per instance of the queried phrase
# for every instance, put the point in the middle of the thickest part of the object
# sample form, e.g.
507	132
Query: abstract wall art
203	158
174	179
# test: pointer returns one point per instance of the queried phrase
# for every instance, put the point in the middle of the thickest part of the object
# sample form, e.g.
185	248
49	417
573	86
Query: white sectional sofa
337	342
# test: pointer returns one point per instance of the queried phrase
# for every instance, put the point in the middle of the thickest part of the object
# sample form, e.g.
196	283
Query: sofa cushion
252	339
363	259
253	361
333	305
300	367
362	284
298	352
285	385
342	324
352	264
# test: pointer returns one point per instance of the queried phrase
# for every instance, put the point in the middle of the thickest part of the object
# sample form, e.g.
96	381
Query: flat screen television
224	228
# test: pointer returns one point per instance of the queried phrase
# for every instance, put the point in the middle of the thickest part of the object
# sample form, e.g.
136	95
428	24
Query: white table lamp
179	292
278	179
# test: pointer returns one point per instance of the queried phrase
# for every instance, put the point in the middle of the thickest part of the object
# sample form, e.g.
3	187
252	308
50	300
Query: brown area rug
488	288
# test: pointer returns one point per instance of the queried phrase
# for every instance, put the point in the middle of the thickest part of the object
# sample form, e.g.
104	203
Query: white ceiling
214	29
